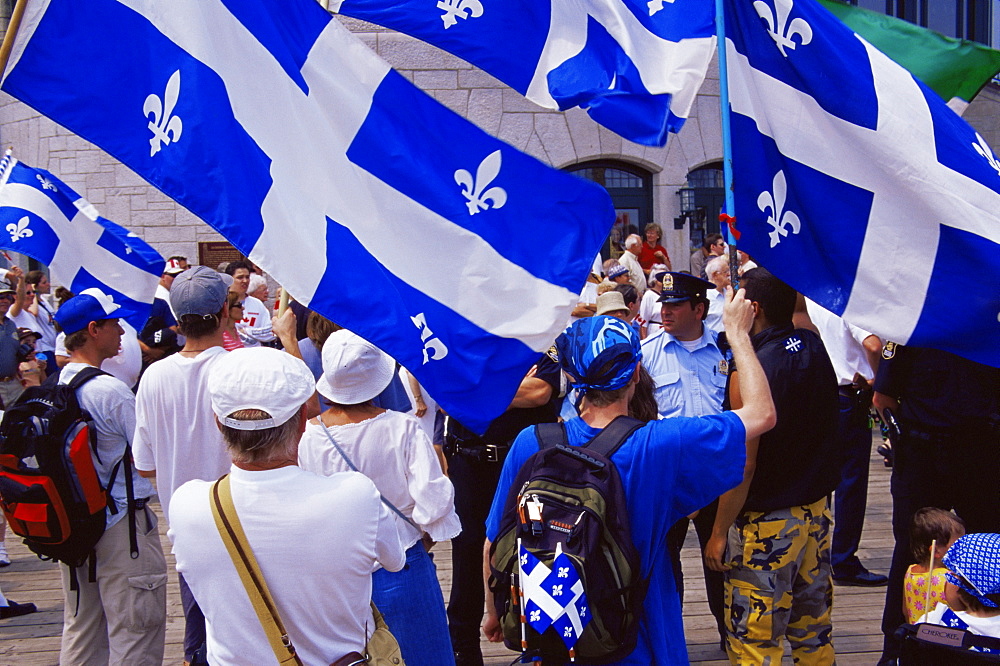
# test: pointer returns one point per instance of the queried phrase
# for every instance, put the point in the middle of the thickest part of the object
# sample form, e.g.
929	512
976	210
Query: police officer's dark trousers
851	497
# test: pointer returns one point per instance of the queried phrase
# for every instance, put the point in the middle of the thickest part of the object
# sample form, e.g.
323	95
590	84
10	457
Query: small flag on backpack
554	596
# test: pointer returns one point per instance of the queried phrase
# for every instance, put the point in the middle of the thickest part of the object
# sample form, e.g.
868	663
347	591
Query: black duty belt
480	452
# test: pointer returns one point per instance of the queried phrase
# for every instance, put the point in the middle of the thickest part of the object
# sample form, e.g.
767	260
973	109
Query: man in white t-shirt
119	615
176	438
316	539
255	327
630	260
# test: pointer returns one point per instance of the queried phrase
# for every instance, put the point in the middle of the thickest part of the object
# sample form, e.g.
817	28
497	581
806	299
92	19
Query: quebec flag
369	201
46	220
635	65
857	185
554	597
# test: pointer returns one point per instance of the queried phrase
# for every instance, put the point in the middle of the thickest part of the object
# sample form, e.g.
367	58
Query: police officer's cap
680	287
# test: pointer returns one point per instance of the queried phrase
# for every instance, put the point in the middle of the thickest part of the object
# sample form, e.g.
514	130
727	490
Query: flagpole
727	143
8	38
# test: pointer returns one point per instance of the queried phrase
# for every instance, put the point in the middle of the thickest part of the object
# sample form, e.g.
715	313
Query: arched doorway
702	199
631	191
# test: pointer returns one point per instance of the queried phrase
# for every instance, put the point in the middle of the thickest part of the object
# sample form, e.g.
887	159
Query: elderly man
255	327
119	615
316	539
630	260
668	468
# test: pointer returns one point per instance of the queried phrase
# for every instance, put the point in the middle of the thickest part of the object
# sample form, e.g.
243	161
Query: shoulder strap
550	434
231	531
614	435
350	463
84	376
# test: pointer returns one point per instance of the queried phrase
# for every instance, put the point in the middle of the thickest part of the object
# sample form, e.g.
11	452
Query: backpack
50	491
569	500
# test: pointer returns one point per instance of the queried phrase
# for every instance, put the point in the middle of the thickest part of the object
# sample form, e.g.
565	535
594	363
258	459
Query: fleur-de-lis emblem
164	126
459	9
46	183
434	349
563	572
20	230
534	616
524	559
583	612
656	5
567	632
475	192
778	26
983	149
557	590
779	218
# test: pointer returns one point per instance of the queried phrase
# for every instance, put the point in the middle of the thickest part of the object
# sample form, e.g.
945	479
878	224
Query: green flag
956	69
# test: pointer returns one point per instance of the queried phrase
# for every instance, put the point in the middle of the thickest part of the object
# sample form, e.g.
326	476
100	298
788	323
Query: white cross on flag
46	220
857	185
553	595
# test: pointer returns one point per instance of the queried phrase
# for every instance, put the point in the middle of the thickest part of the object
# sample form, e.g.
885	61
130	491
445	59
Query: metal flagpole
729	216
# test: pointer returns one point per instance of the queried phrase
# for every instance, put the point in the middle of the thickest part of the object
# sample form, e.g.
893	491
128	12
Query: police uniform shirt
936	389
9	344
686	383
796	461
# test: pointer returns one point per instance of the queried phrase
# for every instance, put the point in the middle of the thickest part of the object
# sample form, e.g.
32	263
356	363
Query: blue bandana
975	562
599	353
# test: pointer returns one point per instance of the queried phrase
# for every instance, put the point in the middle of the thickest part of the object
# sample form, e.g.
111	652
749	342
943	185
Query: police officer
777	559
948	453
688	365
474	465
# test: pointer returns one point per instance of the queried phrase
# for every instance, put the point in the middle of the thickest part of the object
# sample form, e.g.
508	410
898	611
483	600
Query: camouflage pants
780	585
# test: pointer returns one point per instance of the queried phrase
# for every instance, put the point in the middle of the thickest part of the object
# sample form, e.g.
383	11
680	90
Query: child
929	524
972	590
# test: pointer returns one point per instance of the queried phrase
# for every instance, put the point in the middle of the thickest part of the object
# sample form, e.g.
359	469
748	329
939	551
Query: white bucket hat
261	378
354	370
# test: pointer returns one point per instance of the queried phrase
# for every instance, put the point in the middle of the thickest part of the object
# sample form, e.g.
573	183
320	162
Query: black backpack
50	491
583	510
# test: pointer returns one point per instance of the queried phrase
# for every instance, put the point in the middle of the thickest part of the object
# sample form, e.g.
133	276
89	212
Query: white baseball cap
261	378
354	370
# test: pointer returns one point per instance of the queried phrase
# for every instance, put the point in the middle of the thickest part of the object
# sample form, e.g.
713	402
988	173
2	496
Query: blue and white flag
46	220
369	201
635	65
857	185
553	596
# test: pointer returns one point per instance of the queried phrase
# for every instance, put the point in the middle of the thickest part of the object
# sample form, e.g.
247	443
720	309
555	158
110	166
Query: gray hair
717	265
254	446
256	282
632	241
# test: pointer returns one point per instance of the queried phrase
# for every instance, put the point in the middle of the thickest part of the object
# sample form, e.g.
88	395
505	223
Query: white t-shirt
317	540
255	327
126	365
394	452
112	407
649	309
635	274
843	342
175	430
25	319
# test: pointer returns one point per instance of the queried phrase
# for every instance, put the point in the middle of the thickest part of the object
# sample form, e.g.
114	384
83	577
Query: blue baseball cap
973	562
87	306
599	353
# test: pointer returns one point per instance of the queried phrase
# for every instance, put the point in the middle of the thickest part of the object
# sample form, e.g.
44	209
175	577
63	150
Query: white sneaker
4	558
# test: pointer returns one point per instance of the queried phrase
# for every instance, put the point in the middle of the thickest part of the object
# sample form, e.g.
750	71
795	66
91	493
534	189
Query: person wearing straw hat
392	449
316	539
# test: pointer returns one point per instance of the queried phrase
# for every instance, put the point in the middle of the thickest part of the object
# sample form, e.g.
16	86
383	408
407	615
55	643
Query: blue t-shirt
669	469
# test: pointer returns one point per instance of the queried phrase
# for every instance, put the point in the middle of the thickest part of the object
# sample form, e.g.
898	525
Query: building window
631	191
966	19
701	201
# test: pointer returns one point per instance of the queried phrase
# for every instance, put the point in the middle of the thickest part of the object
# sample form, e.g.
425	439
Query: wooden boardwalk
33	640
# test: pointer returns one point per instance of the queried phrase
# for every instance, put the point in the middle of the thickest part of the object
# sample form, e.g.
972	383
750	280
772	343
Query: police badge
889	350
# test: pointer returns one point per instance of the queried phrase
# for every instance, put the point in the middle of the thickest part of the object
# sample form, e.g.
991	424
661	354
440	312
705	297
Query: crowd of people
305	477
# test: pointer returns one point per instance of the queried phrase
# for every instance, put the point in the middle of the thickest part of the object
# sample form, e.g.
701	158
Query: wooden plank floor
33	640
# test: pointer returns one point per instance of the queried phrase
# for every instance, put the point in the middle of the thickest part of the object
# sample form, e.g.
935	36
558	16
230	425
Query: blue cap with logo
87	306
599	353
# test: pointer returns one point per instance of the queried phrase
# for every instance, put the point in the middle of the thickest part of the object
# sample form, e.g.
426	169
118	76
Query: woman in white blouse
395	453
